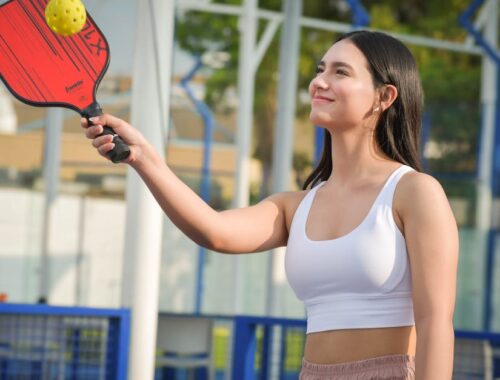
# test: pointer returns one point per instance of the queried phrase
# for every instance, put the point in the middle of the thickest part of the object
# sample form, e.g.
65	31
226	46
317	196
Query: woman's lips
321	99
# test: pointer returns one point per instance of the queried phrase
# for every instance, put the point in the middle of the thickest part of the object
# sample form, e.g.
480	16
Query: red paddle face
42	68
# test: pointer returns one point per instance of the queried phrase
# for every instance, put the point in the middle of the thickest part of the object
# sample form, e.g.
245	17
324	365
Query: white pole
51	164
320	24
80	255
246	85
488	100
8	117
283	139
143	234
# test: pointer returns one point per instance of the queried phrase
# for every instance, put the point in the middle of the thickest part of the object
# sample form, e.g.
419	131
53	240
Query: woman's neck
356	155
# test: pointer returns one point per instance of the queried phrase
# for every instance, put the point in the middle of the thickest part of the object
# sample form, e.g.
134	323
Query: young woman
372	246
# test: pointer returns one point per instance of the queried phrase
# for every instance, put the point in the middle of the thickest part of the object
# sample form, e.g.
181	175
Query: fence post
244	347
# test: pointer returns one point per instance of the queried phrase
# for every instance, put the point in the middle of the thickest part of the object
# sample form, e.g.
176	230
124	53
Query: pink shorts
393	367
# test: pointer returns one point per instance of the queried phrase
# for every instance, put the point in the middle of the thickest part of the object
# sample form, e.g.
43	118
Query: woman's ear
388	94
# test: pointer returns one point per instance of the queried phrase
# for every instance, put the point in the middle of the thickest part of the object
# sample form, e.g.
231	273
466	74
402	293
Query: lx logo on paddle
88	34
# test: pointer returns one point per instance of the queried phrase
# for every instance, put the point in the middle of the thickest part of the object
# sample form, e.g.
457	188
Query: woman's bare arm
250	229
432	241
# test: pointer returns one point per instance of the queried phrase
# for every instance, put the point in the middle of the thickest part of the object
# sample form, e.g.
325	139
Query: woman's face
342	93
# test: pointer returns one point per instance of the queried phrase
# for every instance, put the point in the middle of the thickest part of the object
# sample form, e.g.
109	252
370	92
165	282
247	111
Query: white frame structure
143	234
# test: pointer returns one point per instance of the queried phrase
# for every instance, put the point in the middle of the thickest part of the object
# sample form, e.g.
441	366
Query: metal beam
246	88
332	26
51	166
265	41
283	137
143	229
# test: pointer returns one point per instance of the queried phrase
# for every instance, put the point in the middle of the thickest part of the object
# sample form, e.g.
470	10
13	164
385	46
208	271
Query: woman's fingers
94	128
101	140
93	131
104	149
104	143
109	120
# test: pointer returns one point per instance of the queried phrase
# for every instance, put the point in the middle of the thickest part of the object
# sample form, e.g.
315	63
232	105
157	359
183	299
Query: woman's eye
319	69
341	72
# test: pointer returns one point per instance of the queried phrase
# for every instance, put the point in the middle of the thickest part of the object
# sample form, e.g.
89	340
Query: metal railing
271	348
46	342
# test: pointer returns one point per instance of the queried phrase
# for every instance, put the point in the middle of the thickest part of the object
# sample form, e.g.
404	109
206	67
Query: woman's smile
321	99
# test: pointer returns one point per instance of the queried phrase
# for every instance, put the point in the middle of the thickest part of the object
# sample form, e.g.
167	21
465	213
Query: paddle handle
121	150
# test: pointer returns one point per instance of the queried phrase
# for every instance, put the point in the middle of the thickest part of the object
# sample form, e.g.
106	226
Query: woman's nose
318	82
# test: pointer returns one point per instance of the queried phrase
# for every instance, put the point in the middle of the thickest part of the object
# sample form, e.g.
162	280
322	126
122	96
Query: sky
117	19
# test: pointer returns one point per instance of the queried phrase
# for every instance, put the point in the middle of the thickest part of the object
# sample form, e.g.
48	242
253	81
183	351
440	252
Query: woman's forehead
345	51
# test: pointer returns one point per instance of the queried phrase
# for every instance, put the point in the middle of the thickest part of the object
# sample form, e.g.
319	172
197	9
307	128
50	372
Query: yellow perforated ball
65	17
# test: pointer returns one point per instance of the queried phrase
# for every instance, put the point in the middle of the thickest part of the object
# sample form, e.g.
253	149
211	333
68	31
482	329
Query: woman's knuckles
99	141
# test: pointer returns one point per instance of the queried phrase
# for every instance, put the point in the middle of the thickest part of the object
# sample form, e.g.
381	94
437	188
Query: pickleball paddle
44	69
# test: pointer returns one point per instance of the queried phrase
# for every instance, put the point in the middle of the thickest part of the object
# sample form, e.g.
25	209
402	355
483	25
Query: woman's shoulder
417	191
418	183
289	201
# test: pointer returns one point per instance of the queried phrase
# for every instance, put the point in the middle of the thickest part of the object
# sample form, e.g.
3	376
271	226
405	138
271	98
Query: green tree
450	80
197	32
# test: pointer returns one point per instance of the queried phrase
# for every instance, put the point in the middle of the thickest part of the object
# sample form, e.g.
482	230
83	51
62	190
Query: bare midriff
341	346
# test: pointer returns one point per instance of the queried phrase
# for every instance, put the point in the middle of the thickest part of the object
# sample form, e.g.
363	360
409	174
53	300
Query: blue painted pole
283	352
426	134
319	136
123	331
464	21
267	340
486	168
492	235
244	348
209	124
495	175
360	16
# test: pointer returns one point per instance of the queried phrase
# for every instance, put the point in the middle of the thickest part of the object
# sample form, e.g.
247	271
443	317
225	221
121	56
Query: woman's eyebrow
336	64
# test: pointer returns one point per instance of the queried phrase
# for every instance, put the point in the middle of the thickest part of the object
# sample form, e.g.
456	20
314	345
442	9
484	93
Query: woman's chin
320	119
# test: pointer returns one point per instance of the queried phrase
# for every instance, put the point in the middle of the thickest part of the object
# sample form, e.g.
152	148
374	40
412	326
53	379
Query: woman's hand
131	136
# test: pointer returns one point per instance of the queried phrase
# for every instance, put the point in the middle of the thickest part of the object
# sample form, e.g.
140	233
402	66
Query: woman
372	247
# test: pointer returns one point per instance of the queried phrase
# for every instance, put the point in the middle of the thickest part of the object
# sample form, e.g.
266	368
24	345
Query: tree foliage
451	80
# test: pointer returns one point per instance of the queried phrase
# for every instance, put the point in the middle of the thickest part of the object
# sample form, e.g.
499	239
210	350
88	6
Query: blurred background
460	142
90	191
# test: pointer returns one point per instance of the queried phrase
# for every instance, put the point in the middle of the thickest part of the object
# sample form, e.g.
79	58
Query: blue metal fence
271	348
64	343
44	343
263	345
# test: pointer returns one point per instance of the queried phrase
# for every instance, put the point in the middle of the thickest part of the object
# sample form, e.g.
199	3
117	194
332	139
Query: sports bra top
359	280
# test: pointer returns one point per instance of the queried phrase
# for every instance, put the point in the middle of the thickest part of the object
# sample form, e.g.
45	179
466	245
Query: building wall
86	245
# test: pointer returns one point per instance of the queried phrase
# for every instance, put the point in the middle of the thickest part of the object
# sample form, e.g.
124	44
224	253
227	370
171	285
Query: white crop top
359	280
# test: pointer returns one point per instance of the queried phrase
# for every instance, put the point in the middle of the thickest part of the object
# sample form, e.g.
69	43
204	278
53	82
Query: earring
376	109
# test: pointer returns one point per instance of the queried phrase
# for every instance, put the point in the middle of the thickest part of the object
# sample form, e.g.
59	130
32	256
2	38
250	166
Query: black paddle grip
121	150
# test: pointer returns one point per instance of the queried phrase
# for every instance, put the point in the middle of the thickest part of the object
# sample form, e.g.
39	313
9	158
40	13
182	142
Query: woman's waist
341	346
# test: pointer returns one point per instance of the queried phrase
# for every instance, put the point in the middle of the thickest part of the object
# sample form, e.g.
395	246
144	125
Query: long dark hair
397	132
